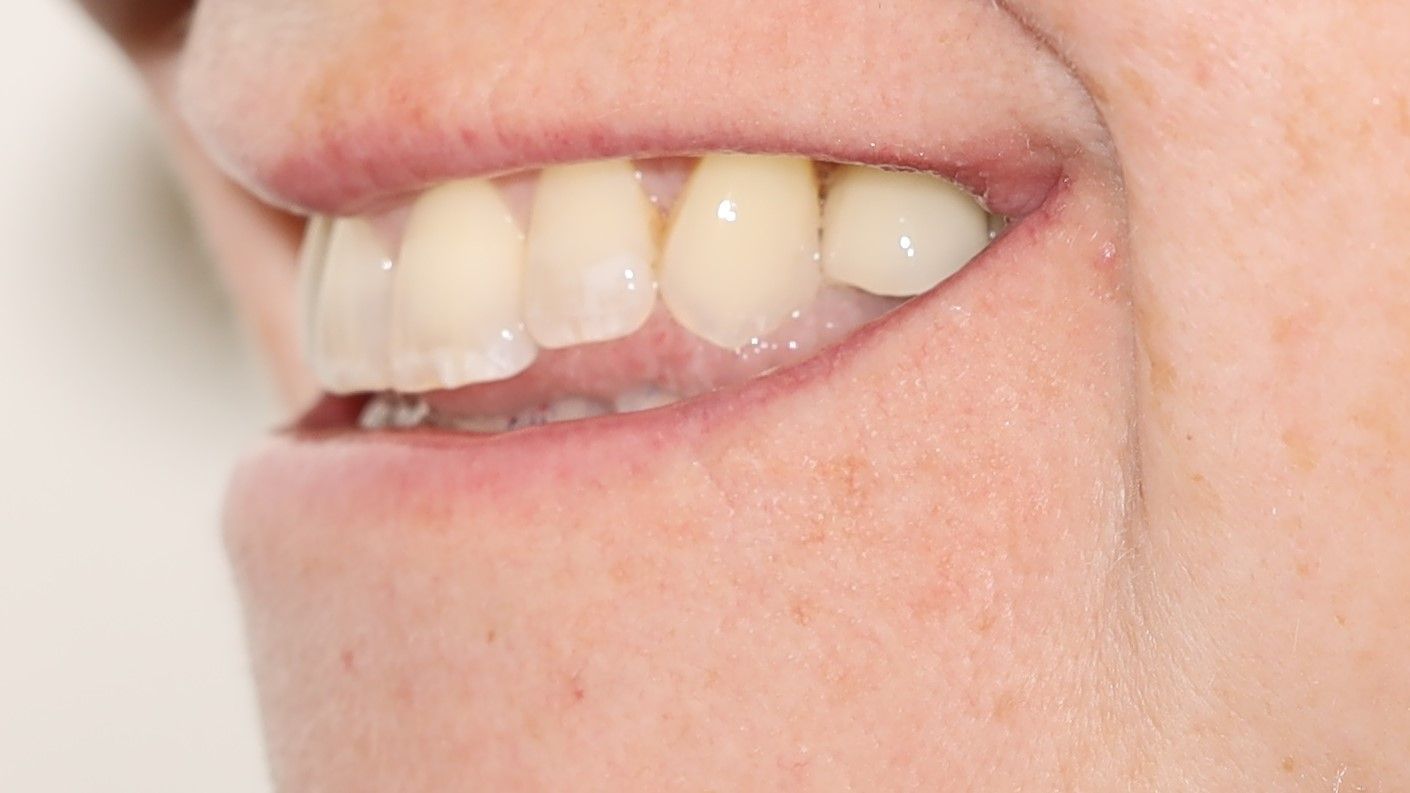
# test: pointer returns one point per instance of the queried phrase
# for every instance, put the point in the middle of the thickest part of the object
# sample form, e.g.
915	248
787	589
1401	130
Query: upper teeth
591	249
470	298
898	234
456	317
742	254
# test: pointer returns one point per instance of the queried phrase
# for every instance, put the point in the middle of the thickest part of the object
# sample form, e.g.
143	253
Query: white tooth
644	398
898	234
394	411
742	251
592	243
456	301
348	331
572	409
313	258
564	409
481	424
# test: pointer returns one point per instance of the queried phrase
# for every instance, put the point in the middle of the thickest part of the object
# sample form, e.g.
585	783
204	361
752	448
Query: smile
616	286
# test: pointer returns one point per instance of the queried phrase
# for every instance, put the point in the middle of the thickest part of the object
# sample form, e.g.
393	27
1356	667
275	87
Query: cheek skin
1269	256
816	597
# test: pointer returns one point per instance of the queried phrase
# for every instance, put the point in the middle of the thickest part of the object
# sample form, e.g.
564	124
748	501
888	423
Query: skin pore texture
1123	506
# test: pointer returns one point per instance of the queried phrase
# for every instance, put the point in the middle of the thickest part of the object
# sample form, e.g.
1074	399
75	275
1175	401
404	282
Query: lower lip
355	465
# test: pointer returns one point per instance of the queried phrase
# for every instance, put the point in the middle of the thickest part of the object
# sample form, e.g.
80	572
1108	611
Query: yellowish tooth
742	251
313	258
456	316
350	293
591	247
898	234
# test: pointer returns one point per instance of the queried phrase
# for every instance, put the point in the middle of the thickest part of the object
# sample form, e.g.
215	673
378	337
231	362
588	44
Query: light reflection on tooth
741	254
348	332
456	299
898	234
591	247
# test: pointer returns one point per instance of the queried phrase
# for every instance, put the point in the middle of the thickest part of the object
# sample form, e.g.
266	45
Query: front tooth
742	252
350	295
313	259
592	242
456	300
898	234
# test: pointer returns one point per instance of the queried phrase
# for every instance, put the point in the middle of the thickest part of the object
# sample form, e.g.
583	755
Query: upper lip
339	137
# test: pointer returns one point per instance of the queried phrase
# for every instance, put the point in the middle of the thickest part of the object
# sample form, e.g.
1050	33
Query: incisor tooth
898	234
456	299
351	291
592	243
742	251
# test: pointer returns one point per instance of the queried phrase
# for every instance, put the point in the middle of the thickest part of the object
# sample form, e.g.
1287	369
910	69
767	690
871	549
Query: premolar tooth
456	299
742	251
592	243
350	292
898	234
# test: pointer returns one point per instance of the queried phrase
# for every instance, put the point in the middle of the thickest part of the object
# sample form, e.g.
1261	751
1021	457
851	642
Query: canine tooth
742	251
456	315
644	398
592	243
898	234
348	330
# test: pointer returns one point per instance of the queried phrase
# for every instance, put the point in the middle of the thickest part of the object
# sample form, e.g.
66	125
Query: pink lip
349	170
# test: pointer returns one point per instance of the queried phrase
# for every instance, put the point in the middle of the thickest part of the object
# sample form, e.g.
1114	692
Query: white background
125	395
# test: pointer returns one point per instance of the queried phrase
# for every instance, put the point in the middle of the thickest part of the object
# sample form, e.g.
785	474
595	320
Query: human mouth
616	286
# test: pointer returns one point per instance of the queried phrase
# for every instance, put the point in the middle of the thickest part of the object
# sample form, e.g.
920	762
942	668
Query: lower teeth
393	411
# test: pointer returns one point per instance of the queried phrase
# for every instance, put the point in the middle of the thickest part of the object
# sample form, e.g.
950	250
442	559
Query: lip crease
351	172
373	167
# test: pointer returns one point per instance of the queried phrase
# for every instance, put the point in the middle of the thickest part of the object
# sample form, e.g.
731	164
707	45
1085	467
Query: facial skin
1123	507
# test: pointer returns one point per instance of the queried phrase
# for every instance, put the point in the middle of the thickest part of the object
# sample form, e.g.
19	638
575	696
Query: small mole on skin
490	636
348	659
1288	765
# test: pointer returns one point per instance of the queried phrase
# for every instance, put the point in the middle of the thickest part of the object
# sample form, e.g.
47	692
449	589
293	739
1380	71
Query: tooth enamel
644	398
742	251
394	411
592	243
572	409
456	298
898	234
569	408
313	258
351	293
